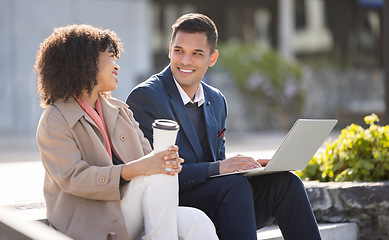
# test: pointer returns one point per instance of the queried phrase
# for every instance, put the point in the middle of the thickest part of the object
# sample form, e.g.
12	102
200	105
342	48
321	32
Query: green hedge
357	155
264	75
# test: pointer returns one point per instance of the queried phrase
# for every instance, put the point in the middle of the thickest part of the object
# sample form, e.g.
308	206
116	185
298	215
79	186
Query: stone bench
365	203
16	227
328	231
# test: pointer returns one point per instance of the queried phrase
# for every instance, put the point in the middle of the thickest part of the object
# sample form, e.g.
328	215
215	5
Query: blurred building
350	29
25	24
339	44
346	34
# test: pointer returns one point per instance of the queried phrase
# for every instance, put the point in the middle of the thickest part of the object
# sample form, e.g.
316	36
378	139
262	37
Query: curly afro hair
66	62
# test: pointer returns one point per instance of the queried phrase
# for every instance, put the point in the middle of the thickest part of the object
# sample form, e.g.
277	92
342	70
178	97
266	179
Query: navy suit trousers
239	206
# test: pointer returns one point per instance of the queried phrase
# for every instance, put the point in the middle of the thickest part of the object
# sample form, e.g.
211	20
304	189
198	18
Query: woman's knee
163	179
162	183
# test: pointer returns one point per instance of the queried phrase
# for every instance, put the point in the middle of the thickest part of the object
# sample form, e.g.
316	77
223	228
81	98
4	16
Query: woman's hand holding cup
173	161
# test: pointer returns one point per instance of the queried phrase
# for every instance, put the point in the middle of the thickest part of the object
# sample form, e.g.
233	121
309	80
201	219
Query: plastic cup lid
166	124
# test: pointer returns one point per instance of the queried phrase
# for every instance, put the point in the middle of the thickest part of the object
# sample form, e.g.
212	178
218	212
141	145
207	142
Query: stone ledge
328	231
365	203
15	227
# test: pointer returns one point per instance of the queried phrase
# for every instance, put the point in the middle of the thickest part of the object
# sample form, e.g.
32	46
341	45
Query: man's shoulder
153	83
150	86
212	91
149	90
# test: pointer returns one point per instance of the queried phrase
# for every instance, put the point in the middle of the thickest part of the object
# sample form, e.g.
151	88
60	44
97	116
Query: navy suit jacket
158	97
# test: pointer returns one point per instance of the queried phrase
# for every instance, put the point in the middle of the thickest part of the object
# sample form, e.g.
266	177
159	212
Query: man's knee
291	180
234	189
236	184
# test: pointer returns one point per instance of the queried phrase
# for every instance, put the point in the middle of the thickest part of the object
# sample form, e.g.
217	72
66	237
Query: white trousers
150	210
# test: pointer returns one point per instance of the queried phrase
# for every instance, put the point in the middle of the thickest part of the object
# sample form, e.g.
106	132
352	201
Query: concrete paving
21	170
22	173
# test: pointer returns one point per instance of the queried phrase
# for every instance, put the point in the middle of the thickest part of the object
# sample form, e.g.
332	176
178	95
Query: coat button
123	138
102	179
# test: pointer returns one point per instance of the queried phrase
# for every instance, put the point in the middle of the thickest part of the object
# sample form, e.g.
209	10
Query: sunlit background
279	60
335	48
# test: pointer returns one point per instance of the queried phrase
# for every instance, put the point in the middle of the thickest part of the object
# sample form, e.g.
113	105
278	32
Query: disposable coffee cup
164	134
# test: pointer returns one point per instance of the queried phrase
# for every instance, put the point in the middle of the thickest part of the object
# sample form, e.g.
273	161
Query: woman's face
107	72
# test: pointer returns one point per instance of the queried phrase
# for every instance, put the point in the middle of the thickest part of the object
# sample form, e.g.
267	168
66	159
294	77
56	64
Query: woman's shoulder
63	110
117	103
51	110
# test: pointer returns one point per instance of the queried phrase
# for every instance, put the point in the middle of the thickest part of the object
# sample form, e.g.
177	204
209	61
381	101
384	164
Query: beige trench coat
81	185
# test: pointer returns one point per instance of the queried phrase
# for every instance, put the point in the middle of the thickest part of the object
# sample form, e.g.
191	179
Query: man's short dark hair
197	23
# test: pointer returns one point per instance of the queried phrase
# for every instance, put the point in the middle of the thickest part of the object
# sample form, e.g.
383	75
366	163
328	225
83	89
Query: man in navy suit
237	205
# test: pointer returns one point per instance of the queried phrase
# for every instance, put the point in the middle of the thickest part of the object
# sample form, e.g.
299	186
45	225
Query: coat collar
184	119
72	111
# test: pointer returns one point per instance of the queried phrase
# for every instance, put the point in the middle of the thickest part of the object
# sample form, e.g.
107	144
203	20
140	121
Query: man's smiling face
190	58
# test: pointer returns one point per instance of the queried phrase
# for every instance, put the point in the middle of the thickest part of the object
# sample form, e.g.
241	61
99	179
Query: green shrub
357	155
264	75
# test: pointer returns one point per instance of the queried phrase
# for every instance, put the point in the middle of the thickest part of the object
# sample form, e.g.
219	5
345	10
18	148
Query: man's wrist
213	169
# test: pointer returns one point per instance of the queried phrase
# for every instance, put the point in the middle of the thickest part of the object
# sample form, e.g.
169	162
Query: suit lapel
210	124
181	113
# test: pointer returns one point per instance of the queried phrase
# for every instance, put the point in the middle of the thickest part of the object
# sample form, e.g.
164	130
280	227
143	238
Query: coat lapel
110	115
72	112
181	113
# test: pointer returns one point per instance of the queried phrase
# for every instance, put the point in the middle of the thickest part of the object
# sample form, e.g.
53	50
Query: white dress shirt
199	95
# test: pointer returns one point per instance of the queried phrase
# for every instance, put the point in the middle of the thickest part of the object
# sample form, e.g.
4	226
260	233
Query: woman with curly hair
101	175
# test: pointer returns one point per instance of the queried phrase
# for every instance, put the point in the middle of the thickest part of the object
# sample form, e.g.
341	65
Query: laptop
297	149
